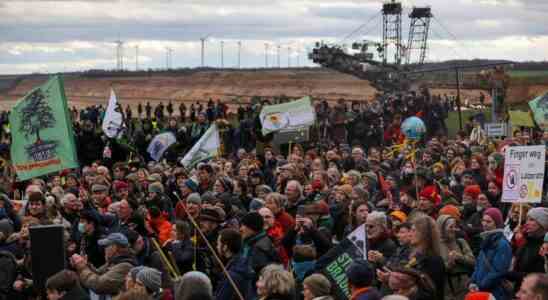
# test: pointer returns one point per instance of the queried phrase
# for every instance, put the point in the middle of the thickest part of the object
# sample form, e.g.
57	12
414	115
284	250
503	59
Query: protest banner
206	148
539	107
287	116
42	135
359	238
496	129
159	145
113	122
523	174
336	262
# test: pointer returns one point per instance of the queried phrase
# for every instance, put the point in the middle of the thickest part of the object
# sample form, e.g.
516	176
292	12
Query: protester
65	285
494	259
317	287
457	256
534	286
108	279
360	281
229	247
431	208
194	286
526	257
275	283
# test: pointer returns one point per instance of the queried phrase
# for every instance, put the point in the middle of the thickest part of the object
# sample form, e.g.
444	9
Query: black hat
360	273
91	216
253	221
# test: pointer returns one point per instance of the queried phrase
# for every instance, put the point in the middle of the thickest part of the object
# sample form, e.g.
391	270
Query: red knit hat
119	184
473	191
430	192
496	215
451	210
479	296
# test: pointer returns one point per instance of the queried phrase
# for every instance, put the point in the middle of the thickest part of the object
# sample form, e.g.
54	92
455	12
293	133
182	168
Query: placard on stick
524	168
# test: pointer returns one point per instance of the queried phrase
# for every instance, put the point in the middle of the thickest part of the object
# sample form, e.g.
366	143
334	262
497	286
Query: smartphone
300	210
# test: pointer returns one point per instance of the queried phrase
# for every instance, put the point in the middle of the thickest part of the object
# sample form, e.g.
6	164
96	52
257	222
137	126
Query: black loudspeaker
47	245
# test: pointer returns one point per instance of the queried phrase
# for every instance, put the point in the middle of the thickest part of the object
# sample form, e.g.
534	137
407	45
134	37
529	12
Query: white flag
159	145
359	238
287	116
207	147
113	121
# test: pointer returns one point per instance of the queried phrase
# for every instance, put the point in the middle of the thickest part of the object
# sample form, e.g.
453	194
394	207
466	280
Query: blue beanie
360	273
191	184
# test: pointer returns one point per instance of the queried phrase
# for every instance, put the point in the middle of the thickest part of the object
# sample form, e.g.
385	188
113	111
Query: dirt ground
231	86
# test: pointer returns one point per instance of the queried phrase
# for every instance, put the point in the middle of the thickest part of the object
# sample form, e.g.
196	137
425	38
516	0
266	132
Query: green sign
336	272
42	136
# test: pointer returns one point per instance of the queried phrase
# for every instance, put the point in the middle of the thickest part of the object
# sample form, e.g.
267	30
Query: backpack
8	273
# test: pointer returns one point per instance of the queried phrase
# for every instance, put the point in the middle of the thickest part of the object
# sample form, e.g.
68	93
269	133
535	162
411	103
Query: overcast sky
52	36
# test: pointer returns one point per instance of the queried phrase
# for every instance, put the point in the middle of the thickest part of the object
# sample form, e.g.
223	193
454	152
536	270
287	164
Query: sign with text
523	174
334	265
495	129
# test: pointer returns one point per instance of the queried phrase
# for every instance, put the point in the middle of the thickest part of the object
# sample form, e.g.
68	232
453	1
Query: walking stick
225	271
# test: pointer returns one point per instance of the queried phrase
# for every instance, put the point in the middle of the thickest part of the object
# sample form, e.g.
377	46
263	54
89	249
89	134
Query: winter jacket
183	253
276	234
161	227
108	279
492	264
285	220
311	236
527	259
458	273
260	251
89	246
241	273
369	293
434	267
76	293
472	228
385	245
400	258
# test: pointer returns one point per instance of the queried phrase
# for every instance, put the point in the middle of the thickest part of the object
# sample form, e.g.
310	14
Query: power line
359	28
453	36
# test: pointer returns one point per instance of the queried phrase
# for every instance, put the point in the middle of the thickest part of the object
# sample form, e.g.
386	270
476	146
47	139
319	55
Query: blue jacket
488	276
239	269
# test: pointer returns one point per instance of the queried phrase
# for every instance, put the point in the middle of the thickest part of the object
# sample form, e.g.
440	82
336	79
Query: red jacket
285	220
276	233
161	227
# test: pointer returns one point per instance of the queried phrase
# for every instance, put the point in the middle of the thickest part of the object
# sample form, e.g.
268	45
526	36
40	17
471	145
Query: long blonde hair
429	235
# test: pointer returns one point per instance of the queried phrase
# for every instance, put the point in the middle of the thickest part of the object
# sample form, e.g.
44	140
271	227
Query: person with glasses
379	243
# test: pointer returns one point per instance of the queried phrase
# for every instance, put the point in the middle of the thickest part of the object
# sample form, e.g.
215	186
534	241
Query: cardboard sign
523	174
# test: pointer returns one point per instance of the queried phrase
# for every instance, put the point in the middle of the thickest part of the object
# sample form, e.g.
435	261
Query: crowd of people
258	221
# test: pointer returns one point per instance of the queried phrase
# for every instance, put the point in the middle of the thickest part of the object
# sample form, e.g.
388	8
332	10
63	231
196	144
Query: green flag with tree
42	135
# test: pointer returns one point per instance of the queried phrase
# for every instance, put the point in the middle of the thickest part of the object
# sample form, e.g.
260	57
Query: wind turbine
203	40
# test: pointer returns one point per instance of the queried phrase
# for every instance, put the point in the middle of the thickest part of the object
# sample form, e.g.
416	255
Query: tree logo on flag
36	116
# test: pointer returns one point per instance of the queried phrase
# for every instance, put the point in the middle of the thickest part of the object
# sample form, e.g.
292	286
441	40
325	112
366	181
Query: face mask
81	228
